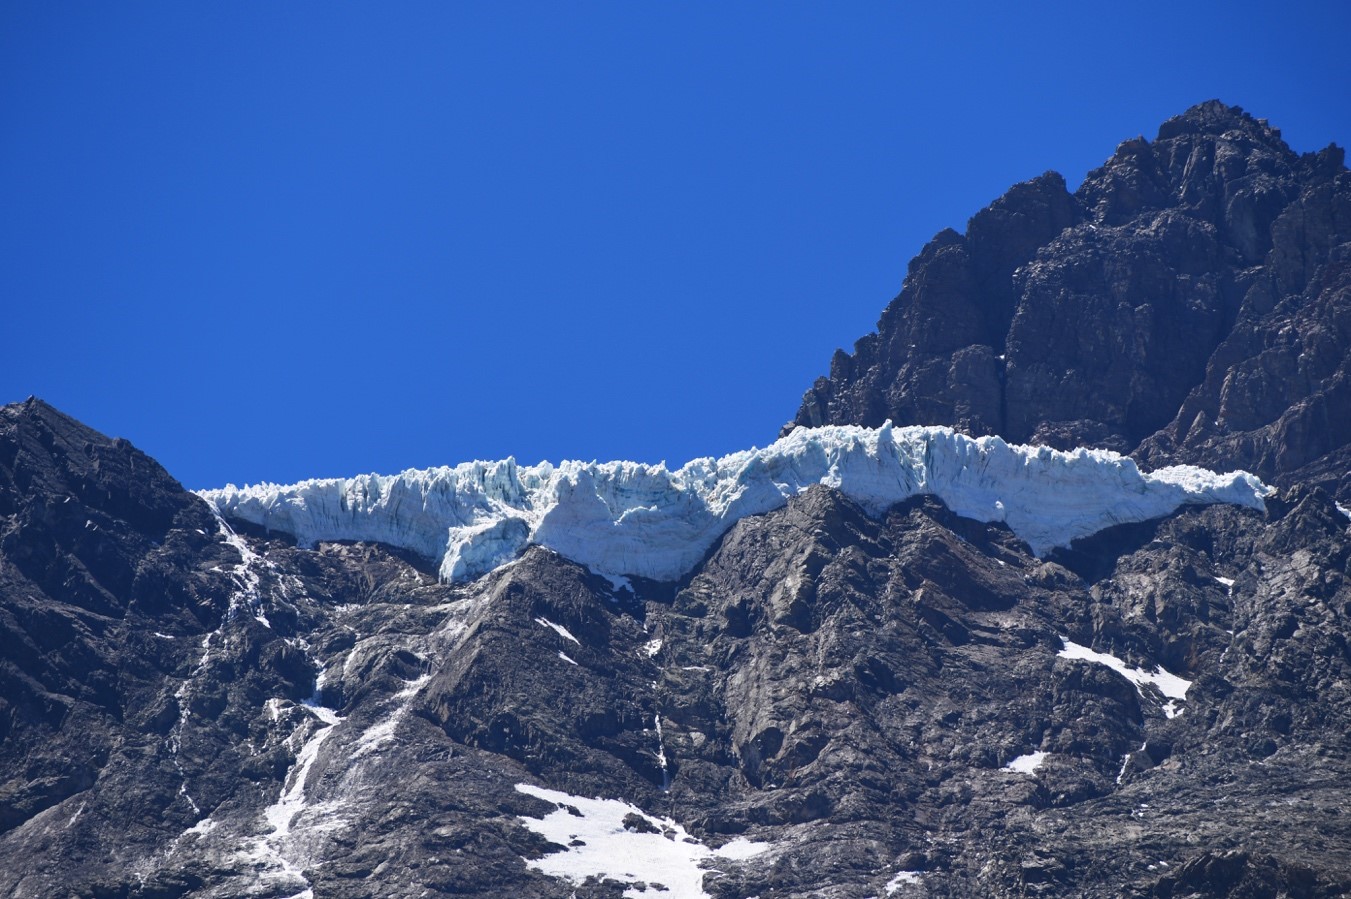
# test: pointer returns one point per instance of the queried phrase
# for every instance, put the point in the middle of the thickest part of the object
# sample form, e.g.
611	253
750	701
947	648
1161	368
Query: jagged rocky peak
78	509
1186	304
1215	161
44	451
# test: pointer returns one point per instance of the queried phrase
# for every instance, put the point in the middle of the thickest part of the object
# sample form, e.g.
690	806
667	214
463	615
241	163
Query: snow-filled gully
245	595
276	850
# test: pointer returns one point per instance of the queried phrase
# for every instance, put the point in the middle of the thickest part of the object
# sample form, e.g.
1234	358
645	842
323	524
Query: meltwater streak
629	518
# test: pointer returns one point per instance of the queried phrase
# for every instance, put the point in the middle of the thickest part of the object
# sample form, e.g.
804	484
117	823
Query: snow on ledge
630	518
1174	688
1026	764
901	879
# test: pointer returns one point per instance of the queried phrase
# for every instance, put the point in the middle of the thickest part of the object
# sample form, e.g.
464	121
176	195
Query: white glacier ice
629	518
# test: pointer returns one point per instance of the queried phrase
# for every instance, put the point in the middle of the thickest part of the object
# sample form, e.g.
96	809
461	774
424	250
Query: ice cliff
628	518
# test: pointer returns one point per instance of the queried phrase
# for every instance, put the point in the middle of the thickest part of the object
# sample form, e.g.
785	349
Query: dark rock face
90	530
1188	303
188	712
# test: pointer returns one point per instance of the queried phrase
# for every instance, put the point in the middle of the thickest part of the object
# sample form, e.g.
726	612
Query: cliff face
1190	302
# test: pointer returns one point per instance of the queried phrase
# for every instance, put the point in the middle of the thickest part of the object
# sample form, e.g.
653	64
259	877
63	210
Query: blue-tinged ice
629	518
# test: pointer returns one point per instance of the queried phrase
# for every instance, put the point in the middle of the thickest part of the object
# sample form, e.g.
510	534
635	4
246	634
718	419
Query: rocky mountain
1189	302
871	678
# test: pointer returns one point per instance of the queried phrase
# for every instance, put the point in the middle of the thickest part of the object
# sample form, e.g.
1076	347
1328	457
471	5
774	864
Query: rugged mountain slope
1190	302
116	584
838	694
835	696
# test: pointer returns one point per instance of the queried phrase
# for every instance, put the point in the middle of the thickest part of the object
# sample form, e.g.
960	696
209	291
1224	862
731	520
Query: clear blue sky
268	241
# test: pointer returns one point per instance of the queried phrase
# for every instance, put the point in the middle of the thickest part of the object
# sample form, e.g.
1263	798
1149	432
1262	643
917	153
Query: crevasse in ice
629	518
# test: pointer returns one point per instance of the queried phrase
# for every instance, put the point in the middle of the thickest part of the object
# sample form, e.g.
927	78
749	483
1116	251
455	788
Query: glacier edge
628	518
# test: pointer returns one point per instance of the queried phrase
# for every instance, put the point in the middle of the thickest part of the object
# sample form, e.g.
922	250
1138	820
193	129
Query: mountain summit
869	660
1190	302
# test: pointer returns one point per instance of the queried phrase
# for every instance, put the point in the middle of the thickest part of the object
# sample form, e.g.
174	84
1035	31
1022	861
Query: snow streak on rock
1169	684
627	518
558	629
276	851
380	735
245	595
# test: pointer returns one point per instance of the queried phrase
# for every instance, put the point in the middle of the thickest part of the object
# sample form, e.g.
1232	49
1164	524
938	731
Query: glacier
630	518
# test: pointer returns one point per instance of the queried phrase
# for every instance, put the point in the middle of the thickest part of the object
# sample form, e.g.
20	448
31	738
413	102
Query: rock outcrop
1188	303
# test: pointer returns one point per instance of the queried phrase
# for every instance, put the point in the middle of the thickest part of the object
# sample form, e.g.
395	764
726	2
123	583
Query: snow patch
903	877
1026	764
244	573
183	791
600	846
1126	762
661	755
629	518
1173	688
567	658
652	647
617	582
413	686
373	738
201	828
558	628
292	800
245	594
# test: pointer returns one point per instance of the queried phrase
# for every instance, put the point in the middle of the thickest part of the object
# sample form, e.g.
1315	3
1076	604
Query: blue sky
271	241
